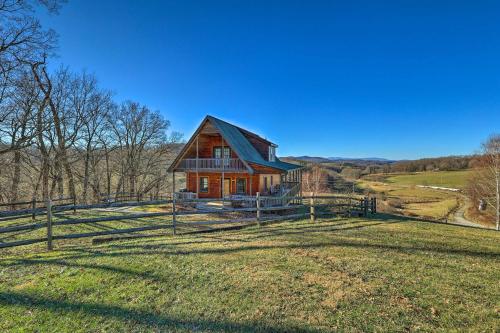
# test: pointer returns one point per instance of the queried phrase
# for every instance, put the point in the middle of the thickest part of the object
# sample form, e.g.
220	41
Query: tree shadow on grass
329	228
133	317
153	276
333	243
167	250
310	229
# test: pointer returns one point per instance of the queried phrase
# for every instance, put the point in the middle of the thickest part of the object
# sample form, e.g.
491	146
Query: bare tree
485	182
19	126
23	42
143	144
94	116
315	179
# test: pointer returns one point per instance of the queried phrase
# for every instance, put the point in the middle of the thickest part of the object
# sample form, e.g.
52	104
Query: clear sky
393	79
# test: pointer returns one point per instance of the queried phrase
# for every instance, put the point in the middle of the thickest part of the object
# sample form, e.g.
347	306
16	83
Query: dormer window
272	154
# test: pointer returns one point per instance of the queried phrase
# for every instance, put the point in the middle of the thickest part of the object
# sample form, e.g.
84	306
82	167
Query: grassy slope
424	202
452	179
358	275
415	201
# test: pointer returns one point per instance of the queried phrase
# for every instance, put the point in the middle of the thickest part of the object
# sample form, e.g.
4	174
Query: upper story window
272	154
218	152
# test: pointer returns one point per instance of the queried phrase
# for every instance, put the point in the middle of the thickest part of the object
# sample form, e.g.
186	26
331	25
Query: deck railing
219	164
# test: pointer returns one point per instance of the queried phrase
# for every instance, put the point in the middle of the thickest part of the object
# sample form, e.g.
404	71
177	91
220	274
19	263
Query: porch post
300	184
222	181
174	222
251	176
197	176
173	182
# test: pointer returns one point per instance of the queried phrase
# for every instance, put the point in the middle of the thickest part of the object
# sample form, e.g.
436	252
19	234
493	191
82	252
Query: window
272	154
241	186
203	184
218	152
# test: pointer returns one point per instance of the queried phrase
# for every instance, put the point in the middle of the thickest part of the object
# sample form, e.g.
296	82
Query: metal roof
245	150
240	144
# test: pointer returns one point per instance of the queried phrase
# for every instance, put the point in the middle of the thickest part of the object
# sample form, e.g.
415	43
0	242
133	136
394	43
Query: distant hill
318	159
382	165
366	159
313	159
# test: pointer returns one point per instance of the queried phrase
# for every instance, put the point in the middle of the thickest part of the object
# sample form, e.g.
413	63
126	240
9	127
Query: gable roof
240	144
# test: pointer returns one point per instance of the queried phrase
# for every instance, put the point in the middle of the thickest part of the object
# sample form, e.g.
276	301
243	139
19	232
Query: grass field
451	179
413	201
381	274
400	193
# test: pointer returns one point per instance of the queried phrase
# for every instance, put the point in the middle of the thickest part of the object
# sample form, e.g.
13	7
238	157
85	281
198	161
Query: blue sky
393	79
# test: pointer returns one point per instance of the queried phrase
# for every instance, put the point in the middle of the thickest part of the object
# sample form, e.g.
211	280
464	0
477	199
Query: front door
227	186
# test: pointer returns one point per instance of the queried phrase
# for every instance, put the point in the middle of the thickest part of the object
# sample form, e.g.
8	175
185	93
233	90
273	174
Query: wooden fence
305	206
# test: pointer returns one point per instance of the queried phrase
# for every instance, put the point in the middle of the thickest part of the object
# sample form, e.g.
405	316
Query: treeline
355	170
61	134
449	163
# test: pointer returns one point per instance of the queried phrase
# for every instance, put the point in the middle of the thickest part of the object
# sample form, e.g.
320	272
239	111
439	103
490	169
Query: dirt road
459	216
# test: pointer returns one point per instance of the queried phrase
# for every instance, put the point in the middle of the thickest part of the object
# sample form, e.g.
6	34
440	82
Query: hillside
381	274
451	179
405	193
360	161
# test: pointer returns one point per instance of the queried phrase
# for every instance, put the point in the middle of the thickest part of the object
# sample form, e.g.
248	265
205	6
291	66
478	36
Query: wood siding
214	183
206	144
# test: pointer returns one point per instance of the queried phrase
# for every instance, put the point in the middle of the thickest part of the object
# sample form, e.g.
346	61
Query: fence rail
302	207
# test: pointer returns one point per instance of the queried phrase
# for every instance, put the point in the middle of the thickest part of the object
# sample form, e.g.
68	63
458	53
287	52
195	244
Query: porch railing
287	194
219	164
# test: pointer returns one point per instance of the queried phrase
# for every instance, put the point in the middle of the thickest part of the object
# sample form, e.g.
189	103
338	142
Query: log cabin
222	160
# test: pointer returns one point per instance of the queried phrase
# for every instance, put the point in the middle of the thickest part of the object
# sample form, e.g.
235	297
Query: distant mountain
313	159
319	159
366	159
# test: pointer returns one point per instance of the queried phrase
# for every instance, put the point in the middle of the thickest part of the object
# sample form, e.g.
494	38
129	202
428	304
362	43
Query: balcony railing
212	164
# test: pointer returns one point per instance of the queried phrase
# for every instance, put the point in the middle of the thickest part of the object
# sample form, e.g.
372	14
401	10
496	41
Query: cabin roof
240	144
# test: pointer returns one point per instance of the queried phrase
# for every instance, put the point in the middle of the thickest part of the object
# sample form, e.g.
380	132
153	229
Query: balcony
212	164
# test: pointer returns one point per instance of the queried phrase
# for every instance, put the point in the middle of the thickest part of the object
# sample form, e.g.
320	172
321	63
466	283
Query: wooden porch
212	164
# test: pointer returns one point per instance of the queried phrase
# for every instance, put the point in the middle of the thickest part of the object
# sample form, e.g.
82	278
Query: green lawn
380	274
411	200
452	179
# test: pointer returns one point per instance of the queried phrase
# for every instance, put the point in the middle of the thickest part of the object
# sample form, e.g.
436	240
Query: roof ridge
241	129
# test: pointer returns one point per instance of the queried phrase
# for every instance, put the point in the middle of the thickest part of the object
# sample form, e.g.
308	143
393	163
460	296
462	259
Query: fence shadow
140	317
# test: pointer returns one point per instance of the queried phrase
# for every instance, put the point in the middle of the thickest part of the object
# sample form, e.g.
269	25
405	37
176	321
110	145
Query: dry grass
413	201
380	274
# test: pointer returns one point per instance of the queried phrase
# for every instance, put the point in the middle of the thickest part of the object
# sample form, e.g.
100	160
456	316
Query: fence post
373	205
74	205
365	207
312	210
49	225
33	209
174	218
257	202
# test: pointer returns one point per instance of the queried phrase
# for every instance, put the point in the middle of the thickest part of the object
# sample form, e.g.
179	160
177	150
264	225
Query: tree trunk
44	170
86	174
47	90
108	175
498	202
16	177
